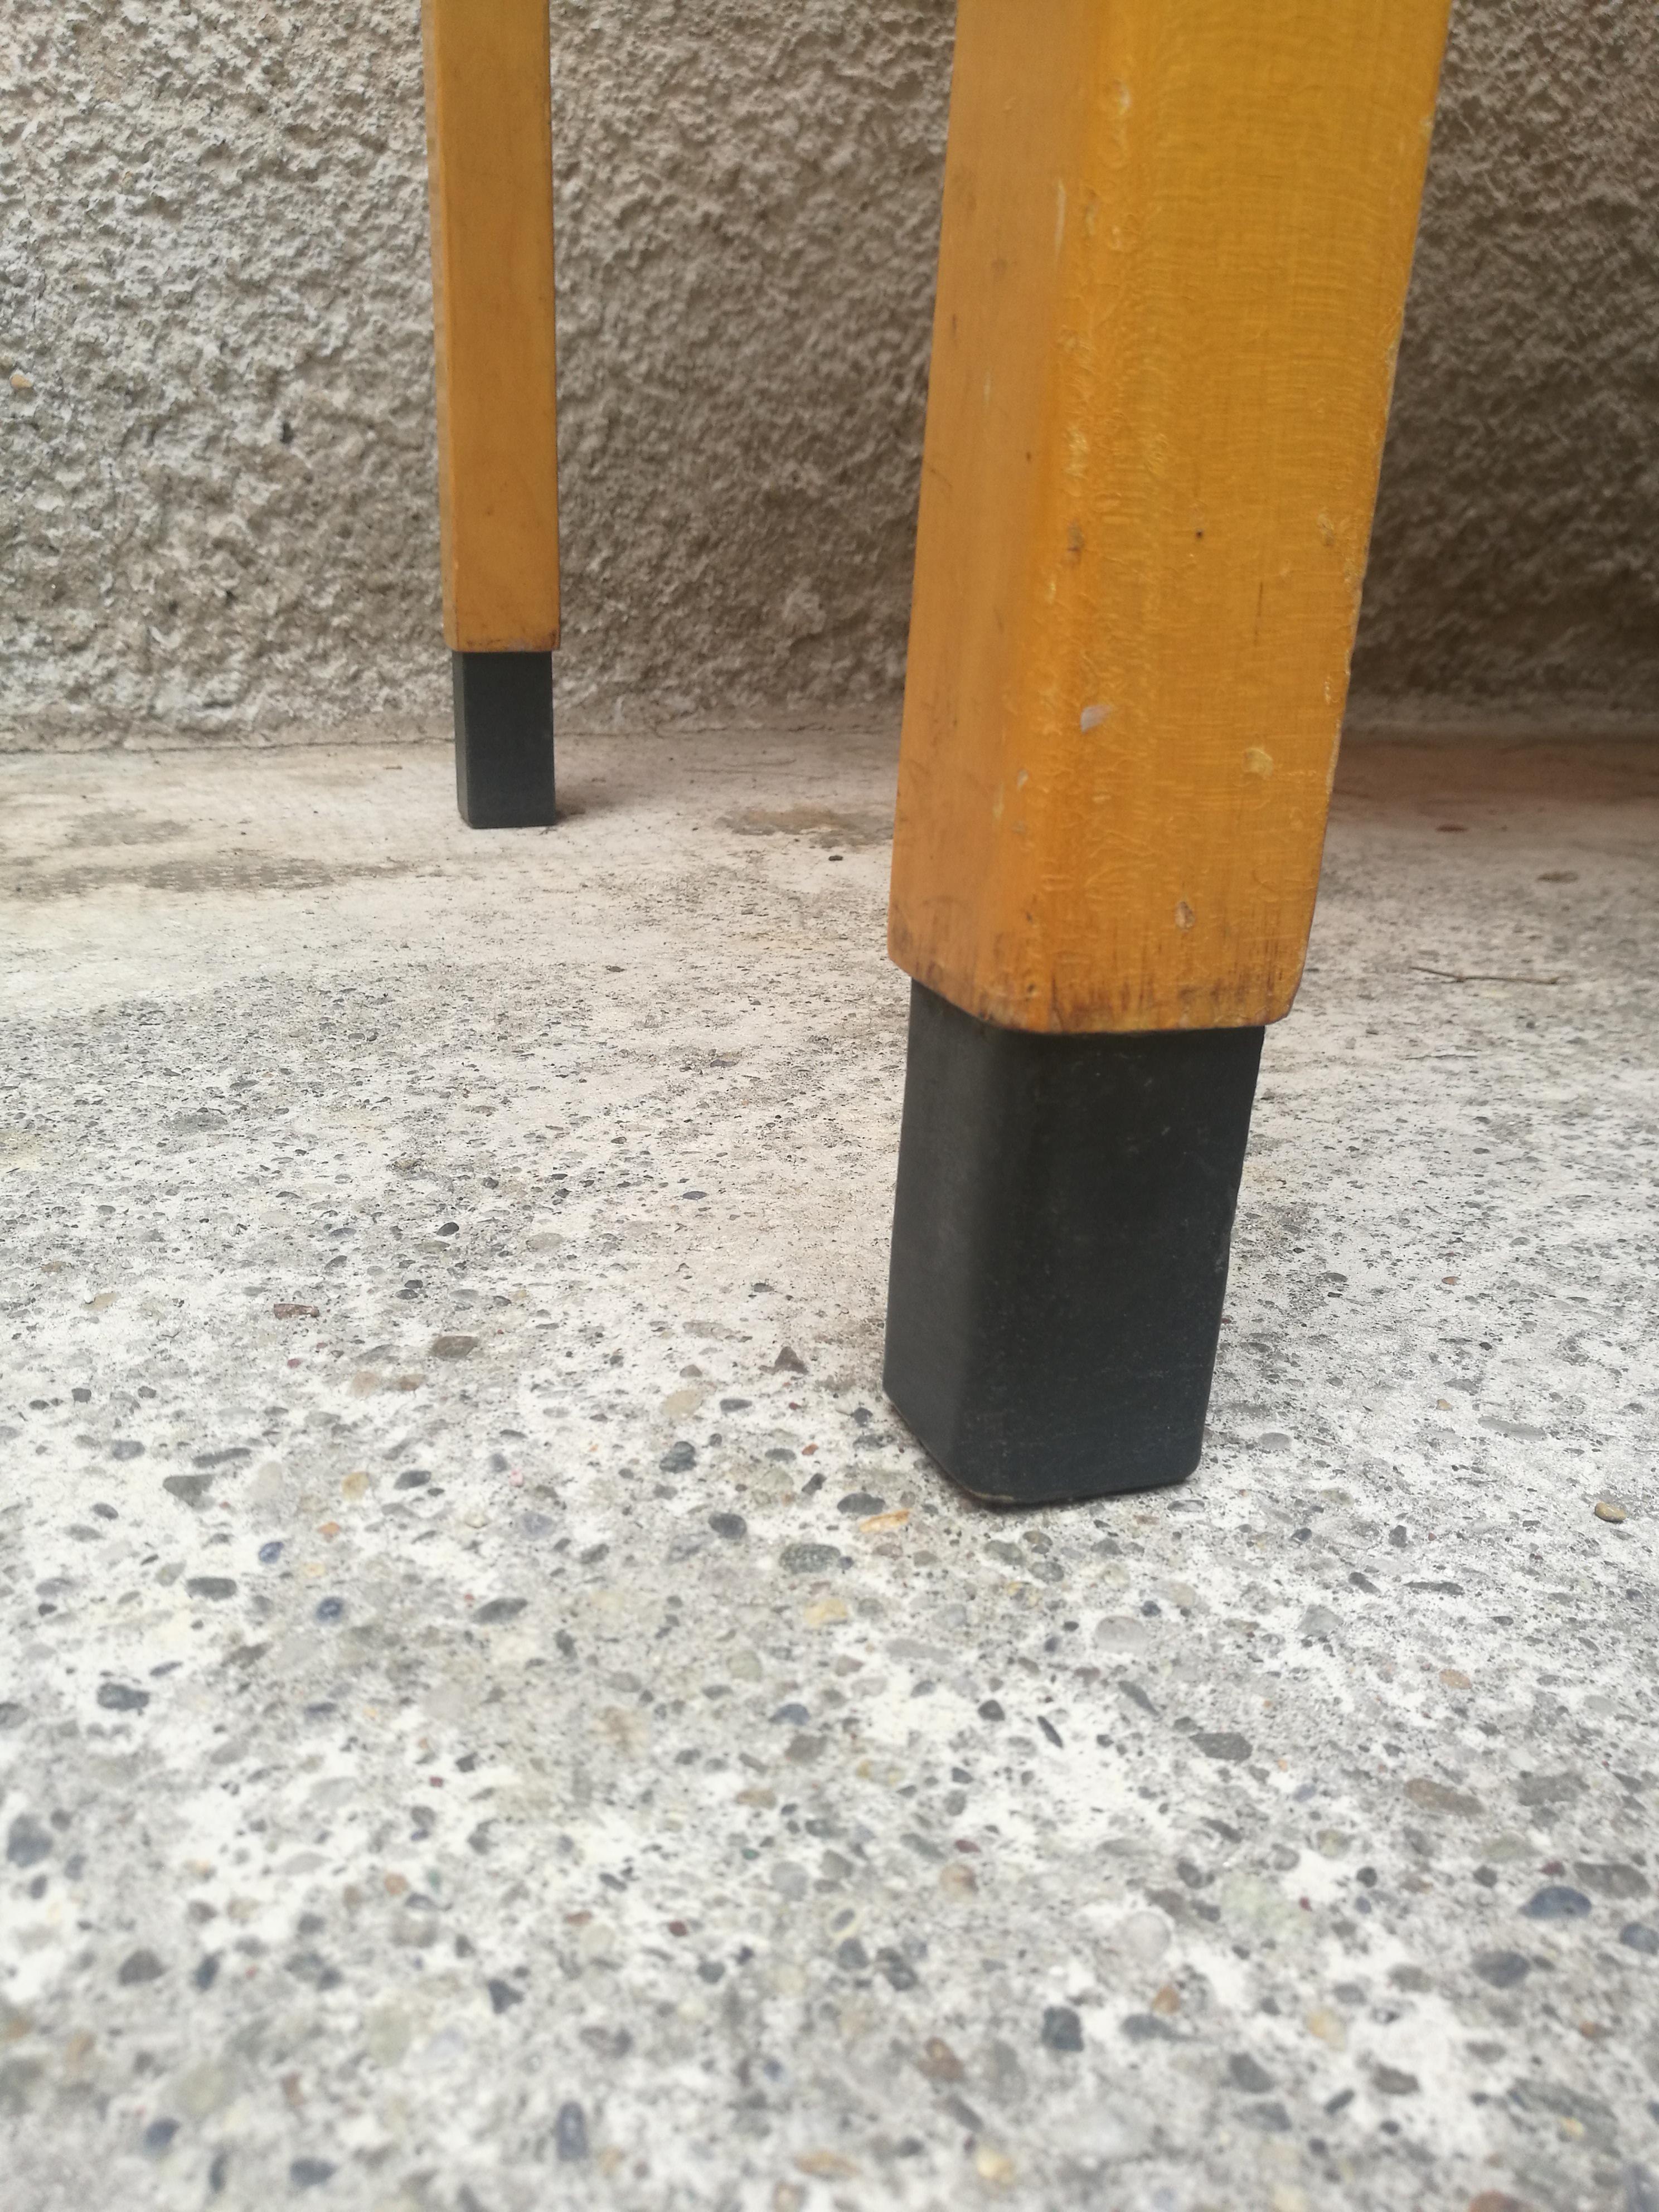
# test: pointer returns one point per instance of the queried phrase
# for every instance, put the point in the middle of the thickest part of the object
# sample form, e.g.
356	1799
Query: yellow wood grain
1175	248
490	173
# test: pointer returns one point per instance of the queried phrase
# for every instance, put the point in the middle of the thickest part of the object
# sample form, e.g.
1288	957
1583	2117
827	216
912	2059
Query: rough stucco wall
213	221
217	228
217	509
1514	565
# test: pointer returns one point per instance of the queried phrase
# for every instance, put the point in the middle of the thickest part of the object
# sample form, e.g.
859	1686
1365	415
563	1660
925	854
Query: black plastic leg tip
504	739
1060	1243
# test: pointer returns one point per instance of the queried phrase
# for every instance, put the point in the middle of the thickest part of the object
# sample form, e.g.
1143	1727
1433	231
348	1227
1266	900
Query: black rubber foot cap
1060	1243
504	739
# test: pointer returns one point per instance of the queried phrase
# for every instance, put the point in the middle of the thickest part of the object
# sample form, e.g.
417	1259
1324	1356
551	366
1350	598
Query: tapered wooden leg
490	173
1173	267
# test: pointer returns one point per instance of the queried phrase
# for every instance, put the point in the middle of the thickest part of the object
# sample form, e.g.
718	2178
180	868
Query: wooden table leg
490	172
1173	268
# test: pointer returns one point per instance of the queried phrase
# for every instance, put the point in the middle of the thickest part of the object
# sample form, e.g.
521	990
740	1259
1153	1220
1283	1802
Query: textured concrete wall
216	492
1515	562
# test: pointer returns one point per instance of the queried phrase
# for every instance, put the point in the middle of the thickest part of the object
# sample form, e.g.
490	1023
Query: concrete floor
495	1712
